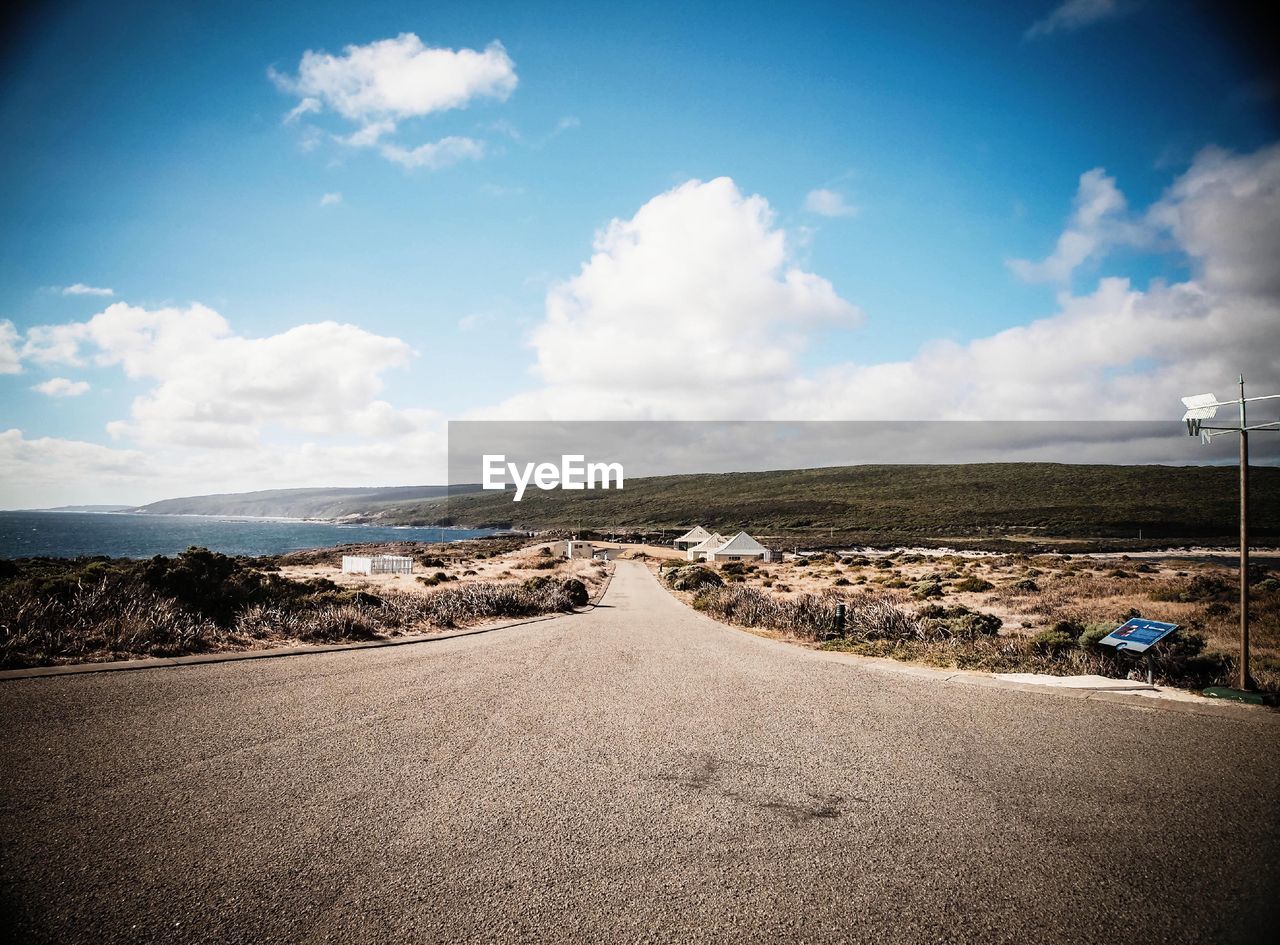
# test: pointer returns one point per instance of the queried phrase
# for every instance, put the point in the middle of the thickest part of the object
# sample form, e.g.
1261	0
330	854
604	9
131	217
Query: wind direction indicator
1202	407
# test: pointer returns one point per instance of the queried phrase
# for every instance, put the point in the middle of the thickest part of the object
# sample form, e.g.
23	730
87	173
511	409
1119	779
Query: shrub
1026	586
958	621
693	578
1053	641
811	616
973	584
841	582
1206	587
577	591
926	590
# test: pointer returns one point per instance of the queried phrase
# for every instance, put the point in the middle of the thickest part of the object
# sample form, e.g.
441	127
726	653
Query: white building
700	551
377	564
741	547
694	536
579	549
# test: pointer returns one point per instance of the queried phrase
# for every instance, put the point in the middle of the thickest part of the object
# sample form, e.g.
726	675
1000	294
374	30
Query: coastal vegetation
1000	613
93	609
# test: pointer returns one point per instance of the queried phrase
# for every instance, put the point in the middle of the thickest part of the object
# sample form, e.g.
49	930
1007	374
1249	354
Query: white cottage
741	547
701	550
694	536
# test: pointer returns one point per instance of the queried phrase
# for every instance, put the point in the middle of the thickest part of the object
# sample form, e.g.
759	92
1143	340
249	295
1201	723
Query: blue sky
149	153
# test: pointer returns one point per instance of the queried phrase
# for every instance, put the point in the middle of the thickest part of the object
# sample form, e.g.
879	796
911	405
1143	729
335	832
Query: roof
695	534
712	543
740	544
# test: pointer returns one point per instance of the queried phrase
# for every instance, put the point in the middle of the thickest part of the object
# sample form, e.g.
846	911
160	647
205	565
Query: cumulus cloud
1099	222
379	85
331	199
49	470
1074	15
1225	213
828	203
10	358
436	154
80	288
691	309
694	297
214	388
62	387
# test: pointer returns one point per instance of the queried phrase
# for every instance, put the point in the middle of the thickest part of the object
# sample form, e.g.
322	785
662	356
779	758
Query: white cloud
331	199
62	387
212	387
307	106
1073	15
49	471
1225	212
828	203
53	344
401	78
473	321
80	288
1098	223
437	154
683	312
10	360
379	85
683	308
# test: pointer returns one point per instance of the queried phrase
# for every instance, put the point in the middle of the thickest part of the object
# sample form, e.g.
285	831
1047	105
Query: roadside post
839	624
1202	407
1138	637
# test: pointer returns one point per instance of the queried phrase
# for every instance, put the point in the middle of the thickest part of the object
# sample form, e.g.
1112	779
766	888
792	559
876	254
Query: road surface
635	773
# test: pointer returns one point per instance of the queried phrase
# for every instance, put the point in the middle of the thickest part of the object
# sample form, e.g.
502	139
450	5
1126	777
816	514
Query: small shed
376	564
741	547
694	536
578	549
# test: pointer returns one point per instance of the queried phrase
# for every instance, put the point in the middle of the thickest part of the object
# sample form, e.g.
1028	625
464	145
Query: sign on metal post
1138	635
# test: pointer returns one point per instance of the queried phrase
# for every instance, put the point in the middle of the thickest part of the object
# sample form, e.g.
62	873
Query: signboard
1138	635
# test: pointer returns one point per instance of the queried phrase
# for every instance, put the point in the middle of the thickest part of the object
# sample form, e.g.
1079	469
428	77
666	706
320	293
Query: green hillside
1192	503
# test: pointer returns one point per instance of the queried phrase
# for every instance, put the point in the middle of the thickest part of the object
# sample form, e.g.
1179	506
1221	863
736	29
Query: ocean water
70	534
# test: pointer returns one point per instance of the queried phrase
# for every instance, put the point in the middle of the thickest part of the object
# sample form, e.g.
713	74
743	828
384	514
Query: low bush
926	590
693	578
73	611
973	584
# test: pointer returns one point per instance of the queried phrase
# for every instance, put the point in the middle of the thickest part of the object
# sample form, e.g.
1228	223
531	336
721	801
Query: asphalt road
635	773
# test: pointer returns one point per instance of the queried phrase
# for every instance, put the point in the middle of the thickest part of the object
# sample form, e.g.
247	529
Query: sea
140	535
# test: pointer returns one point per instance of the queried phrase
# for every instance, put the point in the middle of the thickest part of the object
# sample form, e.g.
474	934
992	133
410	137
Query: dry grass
88	611
1045	606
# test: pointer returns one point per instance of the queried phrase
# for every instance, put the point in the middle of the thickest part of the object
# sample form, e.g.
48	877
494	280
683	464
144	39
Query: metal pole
1244	545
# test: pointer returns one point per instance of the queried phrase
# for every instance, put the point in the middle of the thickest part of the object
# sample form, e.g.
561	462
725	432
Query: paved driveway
635	773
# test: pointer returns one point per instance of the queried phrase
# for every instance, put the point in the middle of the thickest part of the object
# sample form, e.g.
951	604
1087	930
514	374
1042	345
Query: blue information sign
1138	635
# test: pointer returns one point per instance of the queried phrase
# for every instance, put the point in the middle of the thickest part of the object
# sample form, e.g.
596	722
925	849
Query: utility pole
1244	542
1202	407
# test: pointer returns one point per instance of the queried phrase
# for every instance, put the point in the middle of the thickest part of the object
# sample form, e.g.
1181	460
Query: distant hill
87	508
330	503
1022	500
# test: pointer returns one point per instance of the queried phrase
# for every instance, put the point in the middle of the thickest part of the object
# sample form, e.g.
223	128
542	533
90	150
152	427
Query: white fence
378	564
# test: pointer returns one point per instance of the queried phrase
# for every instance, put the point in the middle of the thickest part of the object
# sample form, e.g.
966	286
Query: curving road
635	773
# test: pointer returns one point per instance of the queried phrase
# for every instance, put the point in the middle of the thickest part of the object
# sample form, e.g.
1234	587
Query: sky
270	245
